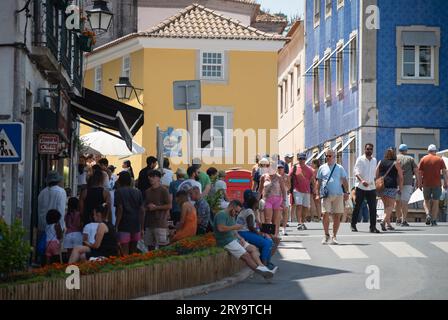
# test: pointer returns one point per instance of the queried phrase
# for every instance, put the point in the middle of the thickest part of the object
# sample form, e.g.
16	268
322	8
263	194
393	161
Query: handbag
268	228
324	192
379	183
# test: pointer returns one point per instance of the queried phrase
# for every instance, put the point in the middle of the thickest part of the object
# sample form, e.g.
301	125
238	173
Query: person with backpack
54	235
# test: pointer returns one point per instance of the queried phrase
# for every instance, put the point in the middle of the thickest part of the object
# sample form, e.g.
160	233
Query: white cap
263	161
432	148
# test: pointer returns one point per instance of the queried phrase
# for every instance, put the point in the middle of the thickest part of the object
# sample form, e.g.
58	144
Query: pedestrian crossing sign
11	142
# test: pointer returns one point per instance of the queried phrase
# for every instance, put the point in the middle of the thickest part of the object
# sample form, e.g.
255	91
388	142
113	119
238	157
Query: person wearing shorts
157	205
430	168
410	169
302	180
130	214
272	188
225	230
333	203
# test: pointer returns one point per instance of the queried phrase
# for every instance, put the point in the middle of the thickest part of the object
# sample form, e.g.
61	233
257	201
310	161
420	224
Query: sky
288	7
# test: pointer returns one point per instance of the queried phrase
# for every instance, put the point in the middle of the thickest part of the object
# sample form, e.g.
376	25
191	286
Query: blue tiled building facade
376	71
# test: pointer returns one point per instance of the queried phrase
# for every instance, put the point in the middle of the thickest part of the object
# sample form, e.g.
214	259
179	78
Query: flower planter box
131	283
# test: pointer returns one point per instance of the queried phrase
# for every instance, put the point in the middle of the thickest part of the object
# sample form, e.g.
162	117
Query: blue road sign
11	142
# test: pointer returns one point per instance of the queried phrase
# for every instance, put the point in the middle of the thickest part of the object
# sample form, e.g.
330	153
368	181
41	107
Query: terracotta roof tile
196	21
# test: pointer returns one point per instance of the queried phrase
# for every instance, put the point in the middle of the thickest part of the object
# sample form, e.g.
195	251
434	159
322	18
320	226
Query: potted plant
87	40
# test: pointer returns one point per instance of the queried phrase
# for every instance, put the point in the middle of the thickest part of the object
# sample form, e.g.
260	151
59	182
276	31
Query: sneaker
304	227
271	266
264	272
273	270
428	219
354	229
405	224
326	239
383	226
334	241
285	233
398	223
434	223
287	225
300	226
374	230
390	228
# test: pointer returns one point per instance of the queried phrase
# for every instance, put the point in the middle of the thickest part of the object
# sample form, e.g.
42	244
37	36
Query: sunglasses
302	159
330	156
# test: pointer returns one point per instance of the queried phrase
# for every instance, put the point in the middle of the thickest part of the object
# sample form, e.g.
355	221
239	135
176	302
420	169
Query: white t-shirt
51	198
90	229
167	177
242	219
188	184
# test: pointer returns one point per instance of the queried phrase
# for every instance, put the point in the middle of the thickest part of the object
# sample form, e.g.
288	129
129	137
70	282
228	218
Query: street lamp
99	16
124	89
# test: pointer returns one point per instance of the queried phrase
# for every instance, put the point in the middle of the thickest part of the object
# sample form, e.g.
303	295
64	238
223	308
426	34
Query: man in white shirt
365	169
52	197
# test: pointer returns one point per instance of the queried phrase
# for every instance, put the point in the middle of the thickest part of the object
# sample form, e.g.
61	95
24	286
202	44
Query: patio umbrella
109	145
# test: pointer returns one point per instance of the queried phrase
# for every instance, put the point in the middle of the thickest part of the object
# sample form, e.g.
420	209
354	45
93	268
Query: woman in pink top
273	191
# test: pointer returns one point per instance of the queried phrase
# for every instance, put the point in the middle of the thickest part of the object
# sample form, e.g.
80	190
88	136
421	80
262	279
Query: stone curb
203	289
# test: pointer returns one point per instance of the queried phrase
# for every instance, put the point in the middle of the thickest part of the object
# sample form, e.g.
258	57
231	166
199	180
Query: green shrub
14	251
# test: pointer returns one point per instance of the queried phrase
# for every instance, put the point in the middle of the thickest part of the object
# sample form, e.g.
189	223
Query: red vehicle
237	181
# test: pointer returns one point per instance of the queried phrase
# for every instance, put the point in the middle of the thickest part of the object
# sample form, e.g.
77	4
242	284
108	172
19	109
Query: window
280	98
284	95
418	62
327	80
99	79
126	67
212	65
291	89
316	87
417	140
210	131
353	62
418	55
328	6
340	71
340	4
298	80
316	12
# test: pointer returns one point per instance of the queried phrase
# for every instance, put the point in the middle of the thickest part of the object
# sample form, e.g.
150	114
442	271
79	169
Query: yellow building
237	66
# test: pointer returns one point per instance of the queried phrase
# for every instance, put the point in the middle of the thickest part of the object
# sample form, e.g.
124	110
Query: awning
336	146
311	158
108	113
346	144
328	56
321	153
419	38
